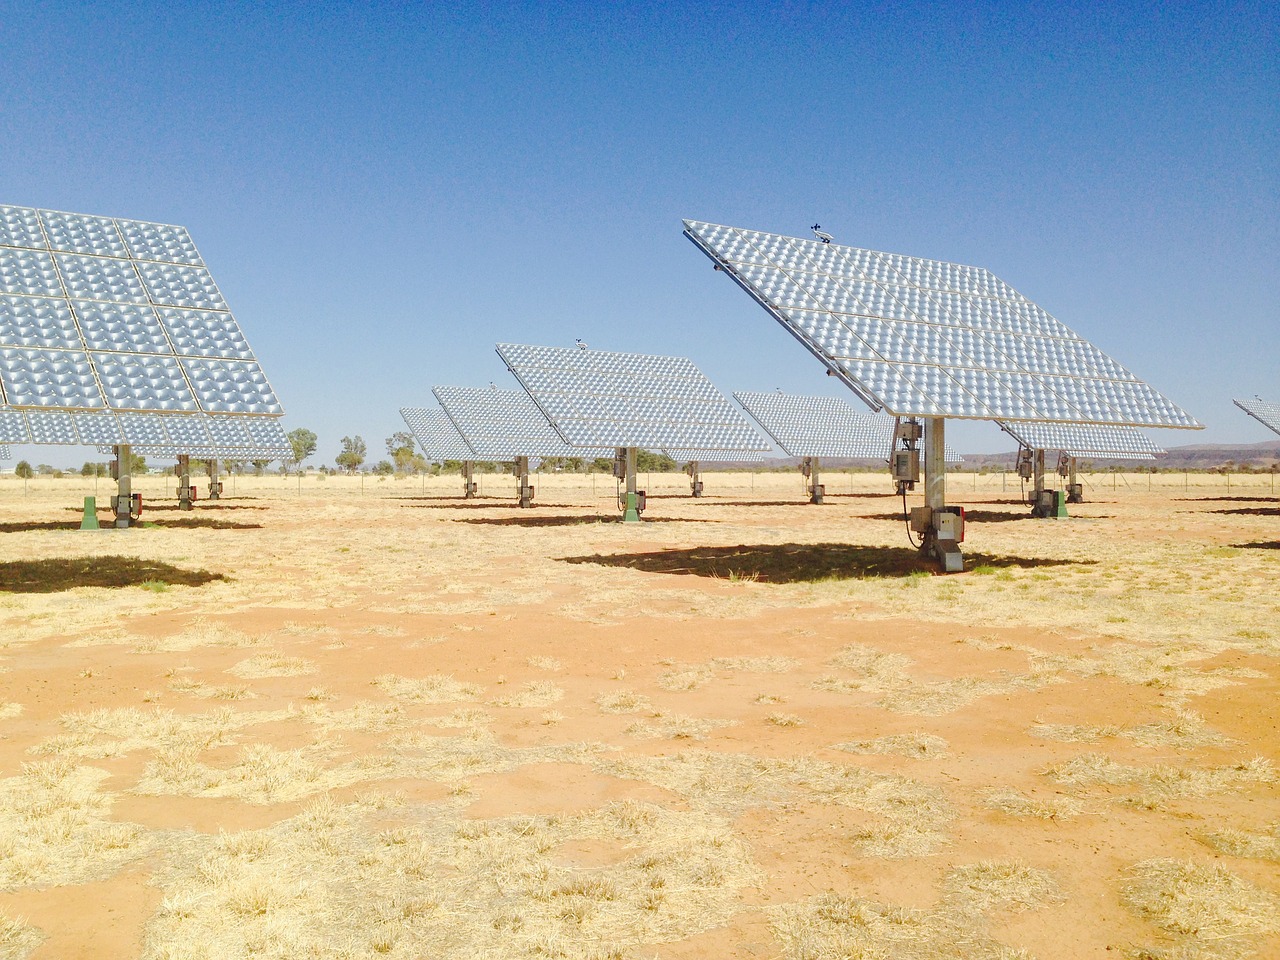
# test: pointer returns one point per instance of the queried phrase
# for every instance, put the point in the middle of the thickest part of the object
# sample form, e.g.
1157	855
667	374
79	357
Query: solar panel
1080	440
1268	414
4	453
595	398
927	338
505	424
436	434
713	456
241	438
105	313
823	427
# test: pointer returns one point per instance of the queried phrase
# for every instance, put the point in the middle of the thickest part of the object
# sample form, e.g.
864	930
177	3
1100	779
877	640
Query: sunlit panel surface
94	310
504	424
1082	440
595	398
920	337
823	427
1268	414
436	434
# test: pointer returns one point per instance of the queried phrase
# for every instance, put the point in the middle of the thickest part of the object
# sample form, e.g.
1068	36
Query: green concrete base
631	514
90	519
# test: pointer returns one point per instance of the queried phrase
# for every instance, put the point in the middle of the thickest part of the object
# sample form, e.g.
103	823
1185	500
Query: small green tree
23	470
260	466
400	448
654	462
352	455
89	469
303	442
384	468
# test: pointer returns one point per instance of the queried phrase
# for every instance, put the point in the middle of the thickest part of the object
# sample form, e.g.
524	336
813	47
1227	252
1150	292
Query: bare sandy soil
359	719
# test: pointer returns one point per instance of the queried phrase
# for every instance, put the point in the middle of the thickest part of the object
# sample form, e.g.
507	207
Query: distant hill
1202	456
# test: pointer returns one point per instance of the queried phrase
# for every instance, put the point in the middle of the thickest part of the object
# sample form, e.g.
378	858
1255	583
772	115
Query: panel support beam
692	468
524	489
125	505
186	492
630	499
809	466
1075	490
469	487
215	485
944	527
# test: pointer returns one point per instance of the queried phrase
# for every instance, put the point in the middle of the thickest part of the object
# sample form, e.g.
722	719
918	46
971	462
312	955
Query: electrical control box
620	464
1026	468
921	519
948	523
908	432
906	466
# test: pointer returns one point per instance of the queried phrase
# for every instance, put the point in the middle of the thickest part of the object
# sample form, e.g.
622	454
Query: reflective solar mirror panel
819	426
103	313
713	456
927	338
1268	414
1080	440
824	427
505	424
436	434
595	398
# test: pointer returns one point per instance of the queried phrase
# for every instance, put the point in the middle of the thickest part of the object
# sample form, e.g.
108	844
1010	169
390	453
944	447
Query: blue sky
385	191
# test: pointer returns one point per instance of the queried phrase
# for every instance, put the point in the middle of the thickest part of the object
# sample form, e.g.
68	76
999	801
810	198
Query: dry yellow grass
444	738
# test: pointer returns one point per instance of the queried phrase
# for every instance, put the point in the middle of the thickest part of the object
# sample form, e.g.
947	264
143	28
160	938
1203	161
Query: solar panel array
234	438
99	313
436	434
713	456
1268	414
928	338
1078	440
596	398
818	426
823	427
505	424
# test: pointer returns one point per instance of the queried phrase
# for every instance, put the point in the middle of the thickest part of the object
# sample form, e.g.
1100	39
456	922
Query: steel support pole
184	481
816	489
947	552
1075	493
523	489
631	501
695	478
1038	477
468	487
215	487
123	500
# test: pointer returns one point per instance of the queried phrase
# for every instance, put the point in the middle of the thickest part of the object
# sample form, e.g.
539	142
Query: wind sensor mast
931	340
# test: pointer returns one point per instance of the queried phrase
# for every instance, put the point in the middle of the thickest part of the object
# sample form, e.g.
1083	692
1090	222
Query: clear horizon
383	194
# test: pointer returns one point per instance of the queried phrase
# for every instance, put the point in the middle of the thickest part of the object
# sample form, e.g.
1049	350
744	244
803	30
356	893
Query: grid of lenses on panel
602	398
900	313
503	424
1265	412
436	434
71	283
1085	440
